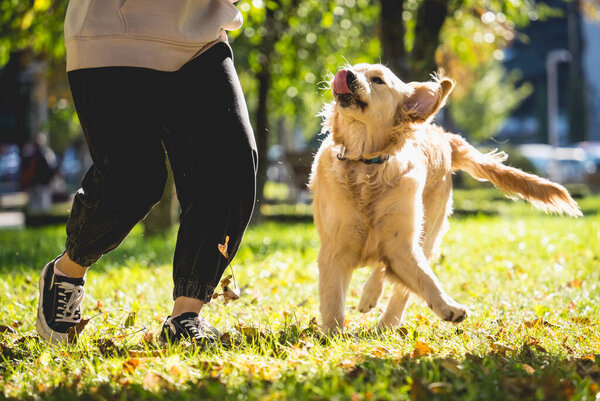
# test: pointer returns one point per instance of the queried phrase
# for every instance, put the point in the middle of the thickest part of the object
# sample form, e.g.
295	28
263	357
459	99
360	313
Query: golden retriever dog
382	189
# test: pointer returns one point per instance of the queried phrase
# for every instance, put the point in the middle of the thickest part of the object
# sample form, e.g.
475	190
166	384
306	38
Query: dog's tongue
340	85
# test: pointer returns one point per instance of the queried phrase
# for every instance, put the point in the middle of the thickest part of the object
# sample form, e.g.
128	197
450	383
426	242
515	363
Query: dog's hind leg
392	317
372	289
335	271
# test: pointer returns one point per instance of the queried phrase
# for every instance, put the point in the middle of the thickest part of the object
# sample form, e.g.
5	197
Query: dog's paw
370	295
451	312
367	302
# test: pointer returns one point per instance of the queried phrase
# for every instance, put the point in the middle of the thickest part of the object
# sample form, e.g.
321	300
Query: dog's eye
377	80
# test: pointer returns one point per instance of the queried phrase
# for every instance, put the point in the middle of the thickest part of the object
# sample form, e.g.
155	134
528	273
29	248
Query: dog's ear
427	98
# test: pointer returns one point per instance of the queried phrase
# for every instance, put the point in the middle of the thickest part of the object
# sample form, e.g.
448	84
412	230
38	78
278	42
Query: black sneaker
190	327
59	305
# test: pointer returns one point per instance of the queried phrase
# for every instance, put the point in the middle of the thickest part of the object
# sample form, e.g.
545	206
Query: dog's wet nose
350	78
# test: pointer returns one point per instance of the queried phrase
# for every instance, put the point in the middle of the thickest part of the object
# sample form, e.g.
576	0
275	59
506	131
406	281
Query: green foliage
34	24
317	38
493	96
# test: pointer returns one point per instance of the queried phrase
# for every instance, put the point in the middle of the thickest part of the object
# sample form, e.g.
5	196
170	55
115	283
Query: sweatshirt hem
122	51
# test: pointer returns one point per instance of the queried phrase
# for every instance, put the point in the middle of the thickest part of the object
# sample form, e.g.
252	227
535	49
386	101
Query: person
39	167
149	78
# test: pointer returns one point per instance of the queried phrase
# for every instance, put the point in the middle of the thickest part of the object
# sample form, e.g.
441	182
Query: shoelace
194	326
70	297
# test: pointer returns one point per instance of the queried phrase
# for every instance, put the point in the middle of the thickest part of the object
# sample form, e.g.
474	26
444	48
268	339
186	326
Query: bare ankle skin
70	268
186	304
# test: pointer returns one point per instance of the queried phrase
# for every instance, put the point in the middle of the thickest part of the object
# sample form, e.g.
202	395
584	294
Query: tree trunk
430	19
164	214
391	35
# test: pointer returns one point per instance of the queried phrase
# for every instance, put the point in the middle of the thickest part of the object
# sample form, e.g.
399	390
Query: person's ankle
64	266
186	304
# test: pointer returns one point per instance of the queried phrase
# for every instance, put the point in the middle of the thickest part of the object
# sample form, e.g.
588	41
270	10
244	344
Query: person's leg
127	178
116	111
212	150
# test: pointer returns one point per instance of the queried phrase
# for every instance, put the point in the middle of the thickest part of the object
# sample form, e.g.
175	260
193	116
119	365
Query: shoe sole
41	326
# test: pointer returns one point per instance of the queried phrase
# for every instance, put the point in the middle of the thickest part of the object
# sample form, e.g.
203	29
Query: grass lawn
532	283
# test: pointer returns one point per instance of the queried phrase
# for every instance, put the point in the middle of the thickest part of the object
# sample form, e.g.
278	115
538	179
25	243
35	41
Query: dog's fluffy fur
392	215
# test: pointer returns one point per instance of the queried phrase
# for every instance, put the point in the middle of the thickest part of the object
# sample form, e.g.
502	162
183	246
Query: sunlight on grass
531	283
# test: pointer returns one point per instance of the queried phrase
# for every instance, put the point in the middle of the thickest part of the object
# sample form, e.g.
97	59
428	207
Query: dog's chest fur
365	185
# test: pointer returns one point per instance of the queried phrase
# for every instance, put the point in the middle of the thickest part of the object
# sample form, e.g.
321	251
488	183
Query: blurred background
527	80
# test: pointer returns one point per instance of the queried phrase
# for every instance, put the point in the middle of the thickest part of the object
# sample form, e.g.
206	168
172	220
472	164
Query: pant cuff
193	289
81	260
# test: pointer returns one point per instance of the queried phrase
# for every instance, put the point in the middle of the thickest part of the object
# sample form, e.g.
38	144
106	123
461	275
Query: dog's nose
350	78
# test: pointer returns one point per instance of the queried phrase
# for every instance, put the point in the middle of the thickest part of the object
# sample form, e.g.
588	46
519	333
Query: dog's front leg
408	262
334	277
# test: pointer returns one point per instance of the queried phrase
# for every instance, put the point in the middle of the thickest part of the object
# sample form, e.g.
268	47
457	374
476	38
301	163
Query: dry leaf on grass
422	349
6	329
538	323
74	331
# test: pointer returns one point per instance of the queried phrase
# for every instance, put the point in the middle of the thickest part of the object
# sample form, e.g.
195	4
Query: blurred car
592	151
10	168
565	165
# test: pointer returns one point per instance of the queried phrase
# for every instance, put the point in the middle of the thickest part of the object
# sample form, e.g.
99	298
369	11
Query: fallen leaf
248	331
581	320
225	337
6	329
537	323
106	346
131	364
500	348
223	247
74	331
422	349
401	331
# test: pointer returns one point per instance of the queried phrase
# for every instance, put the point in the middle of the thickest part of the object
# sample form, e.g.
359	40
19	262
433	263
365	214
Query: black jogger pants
199	114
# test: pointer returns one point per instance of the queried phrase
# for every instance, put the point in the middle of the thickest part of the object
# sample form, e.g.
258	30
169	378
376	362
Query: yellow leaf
27	20
41	5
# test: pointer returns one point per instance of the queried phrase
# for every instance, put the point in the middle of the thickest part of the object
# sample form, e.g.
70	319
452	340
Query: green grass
532	283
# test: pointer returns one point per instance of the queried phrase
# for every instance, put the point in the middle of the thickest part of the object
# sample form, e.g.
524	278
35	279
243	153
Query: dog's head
372	95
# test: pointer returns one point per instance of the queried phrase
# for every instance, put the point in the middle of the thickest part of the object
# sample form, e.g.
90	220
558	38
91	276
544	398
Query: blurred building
578	80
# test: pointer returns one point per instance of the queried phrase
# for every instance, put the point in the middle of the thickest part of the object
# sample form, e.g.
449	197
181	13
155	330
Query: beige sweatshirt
158	34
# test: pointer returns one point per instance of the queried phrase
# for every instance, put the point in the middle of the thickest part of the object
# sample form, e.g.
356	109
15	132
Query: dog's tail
543	194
